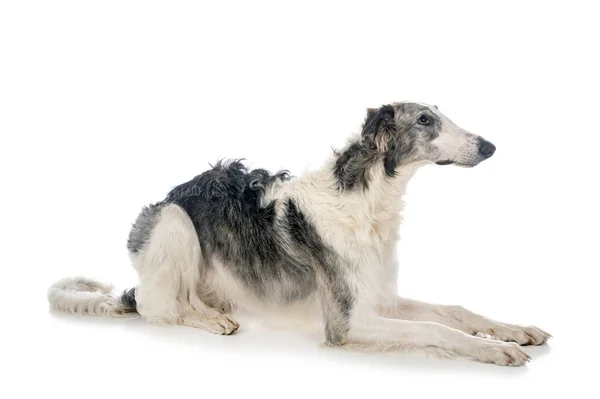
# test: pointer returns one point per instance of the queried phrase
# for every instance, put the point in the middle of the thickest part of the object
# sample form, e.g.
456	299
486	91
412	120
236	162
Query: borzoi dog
233	238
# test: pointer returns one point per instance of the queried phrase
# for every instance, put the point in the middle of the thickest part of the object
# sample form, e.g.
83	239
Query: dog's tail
79	295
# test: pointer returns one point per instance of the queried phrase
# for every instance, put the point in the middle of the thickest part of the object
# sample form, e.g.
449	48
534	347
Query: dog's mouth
449	162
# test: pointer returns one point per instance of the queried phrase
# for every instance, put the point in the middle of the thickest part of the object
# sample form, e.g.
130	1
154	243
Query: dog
234	238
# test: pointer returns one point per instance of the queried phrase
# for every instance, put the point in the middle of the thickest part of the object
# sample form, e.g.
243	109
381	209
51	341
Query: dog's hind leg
169	265
462	319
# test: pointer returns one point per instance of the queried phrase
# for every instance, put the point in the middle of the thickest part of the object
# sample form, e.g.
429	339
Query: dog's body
325	242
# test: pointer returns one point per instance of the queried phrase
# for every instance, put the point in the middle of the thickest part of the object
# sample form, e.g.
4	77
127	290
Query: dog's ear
379	127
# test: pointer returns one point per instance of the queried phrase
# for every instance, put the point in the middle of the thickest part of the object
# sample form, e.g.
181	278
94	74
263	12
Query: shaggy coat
233	238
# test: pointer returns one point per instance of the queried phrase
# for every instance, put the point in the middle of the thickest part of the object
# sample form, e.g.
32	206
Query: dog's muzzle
485	150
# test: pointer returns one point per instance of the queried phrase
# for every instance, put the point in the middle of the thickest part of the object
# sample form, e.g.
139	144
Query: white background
104	106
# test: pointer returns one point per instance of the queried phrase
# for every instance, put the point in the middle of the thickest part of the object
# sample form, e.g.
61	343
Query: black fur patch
352	165
379	121
224	204
128	299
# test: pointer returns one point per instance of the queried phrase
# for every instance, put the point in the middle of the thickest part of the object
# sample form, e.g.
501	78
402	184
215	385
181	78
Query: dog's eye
424	120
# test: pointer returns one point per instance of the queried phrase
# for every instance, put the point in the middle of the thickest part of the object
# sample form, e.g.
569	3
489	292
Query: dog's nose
486	148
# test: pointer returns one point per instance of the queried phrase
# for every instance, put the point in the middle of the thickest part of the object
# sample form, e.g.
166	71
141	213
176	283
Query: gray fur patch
142	227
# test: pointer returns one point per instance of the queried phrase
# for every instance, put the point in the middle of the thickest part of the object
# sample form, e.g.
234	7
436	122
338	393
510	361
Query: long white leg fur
371	331
462	319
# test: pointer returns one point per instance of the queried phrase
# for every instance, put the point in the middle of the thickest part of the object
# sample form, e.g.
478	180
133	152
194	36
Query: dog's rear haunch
326	242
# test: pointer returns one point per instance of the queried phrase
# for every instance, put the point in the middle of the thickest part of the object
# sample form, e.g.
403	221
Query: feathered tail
79	295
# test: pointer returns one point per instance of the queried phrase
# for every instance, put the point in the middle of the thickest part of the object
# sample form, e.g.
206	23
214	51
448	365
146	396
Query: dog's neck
359	172
379	202
384	196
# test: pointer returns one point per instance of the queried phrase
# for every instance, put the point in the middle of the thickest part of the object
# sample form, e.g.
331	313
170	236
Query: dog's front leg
369	330
350	319
462	319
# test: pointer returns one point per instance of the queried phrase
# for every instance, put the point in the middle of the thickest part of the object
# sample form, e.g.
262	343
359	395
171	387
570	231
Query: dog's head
407	133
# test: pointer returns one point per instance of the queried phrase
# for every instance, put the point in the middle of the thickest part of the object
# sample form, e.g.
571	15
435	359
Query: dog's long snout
486	148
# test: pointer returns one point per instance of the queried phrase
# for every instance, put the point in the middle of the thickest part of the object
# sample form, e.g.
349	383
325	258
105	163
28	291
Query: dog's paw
503	354
522	335
536	336
218	323
222	324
